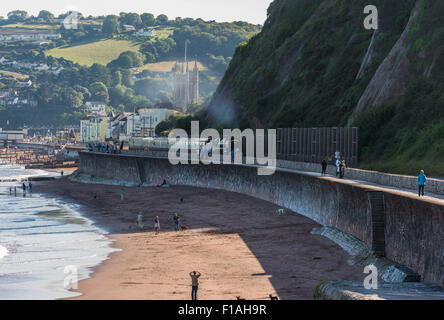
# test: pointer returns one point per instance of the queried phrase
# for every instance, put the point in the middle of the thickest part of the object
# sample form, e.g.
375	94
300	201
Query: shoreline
238	243
53	233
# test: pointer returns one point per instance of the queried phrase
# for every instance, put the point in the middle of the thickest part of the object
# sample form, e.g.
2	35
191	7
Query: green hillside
302	70
102	52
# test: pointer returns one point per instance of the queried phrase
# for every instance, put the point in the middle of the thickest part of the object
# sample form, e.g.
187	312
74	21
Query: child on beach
156	225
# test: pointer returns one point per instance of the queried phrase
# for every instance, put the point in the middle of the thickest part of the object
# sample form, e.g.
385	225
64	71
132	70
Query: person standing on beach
122	194
176	219
156	225
30	186
24	187
422	179
194	284
140	221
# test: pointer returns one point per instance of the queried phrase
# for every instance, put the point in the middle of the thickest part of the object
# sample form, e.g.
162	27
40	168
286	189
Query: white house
128	27
145	33
98	108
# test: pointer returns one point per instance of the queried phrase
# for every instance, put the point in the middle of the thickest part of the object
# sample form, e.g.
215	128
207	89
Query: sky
253	11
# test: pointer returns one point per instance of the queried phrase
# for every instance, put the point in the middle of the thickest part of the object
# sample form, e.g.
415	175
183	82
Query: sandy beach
238	243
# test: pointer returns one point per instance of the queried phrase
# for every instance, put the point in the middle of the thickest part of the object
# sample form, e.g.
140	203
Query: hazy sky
253	11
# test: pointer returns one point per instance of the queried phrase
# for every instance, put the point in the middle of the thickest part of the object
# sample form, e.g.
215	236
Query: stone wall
414	228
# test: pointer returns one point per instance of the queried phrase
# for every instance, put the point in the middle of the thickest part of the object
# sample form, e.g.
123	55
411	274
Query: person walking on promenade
176	219
194	284
422	179
156	225
338	169
24	187
342	169
324	167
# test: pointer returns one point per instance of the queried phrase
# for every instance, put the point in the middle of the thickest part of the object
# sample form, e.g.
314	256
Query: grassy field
16	75
163	33
167	66
103	51
28	26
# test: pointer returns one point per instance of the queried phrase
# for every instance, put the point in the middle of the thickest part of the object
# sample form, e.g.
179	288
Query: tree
127	79
17	16
128	59
45	15
99	92
148	20
111	25
116	78
162	20
84	91
132	19
72	98
99	73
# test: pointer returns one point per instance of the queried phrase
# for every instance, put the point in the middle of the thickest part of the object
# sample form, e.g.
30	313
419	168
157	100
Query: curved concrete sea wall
413	229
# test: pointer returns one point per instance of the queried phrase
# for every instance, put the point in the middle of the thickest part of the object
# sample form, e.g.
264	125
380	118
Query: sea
46	245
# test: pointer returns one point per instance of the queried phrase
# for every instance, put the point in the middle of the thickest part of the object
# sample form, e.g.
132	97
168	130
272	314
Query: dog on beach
183	228
280	212
273	298
239	298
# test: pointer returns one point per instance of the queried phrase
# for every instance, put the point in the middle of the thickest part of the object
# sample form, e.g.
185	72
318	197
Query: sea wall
394	180
413	229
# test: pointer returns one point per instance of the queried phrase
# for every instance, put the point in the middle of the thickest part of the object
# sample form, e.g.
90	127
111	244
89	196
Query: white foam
3	252
40	237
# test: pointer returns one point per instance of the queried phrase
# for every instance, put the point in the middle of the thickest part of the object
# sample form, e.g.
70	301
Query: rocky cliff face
314	64
390	79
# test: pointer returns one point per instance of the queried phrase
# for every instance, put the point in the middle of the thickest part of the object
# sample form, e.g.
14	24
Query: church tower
186	84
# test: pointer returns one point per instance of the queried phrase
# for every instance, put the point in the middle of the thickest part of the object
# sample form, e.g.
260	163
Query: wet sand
238	243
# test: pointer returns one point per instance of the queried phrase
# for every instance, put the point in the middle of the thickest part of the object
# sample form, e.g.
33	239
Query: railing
317	144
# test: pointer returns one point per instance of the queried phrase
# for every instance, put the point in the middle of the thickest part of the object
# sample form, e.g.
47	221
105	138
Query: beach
241	246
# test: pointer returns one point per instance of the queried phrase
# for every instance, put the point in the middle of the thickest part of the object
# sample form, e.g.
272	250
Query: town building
93	128
97	108
143	123
121	126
